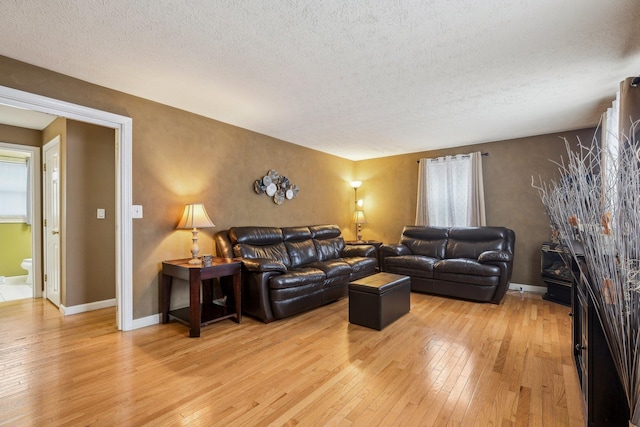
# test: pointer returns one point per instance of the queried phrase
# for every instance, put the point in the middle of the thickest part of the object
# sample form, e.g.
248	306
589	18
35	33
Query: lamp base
195	249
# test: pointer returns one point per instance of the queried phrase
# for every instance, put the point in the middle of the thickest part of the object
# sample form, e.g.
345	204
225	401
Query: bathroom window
14	189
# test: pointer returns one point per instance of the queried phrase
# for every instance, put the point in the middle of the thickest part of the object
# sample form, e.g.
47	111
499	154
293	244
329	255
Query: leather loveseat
289	270
472	263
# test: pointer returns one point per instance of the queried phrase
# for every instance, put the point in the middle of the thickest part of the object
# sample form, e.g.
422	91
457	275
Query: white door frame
124	147
36	214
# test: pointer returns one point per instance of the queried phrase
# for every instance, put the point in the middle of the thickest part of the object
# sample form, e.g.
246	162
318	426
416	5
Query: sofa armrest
391	250
359	251
495	256
504	260
261	265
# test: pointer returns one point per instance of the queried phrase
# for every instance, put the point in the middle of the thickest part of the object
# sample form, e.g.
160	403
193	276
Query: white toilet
28	265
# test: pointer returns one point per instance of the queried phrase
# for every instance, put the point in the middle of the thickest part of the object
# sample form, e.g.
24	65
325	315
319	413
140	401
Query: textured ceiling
358	79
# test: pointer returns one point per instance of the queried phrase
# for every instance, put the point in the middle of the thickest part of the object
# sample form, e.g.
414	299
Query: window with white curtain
451	192
14	189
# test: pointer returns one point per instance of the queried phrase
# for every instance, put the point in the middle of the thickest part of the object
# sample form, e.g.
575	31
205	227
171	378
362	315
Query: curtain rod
483	154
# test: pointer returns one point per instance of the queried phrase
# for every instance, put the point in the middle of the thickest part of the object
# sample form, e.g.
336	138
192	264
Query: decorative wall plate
258	187
276	186
278	199
273	175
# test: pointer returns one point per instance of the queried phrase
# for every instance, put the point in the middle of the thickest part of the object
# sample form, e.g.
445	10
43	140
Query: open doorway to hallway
19	221
123	216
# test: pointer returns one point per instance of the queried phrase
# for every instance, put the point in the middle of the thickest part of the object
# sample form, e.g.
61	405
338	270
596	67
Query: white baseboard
75	309
527	288
143	322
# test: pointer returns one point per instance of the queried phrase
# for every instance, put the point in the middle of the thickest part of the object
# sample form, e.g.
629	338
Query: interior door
51	223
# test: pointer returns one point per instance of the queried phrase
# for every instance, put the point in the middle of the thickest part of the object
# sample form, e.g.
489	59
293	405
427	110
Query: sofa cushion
325	231
411	265
333	267
361	267
255	235
301	276
470	242
466	266
458	279
296	234
427	241
301	253
276	252
291	296
329	248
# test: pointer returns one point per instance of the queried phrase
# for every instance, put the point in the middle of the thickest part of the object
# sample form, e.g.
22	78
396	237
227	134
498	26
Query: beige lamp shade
359	218
195	216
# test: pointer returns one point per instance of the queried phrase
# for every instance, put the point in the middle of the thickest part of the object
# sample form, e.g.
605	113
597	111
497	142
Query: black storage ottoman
378	300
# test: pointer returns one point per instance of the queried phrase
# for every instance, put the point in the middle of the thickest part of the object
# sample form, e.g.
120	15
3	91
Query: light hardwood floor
447	362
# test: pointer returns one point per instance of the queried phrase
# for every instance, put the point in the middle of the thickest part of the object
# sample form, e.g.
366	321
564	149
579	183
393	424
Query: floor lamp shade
194	217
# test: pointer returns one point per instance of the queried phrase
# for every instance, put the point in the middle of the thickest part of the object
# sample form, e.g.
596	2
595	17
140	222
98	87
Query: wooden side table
199	314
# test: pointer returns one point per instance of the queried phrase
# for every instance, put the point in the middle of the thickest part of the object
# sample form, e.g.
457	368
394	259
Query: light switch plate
101	214
136	211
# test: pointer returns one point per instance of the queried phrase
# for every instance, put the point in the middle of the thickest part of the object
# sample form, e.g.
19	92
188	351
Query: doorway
124	235
34	290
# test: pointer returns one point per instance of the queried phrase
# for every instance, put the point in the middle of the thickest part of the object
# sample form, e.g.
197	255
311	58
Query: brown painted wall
389	191
88	175
90	242
22	136
179	158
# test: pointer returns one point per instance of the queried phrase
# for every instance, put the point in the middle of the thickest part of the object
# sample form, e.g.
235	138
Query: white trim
75	309
143	322
124	147
527	288
36	213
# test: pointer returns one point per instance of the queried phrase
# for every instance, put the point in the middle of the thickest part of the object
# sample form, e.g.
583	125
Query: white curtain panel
422	209
451	191
477	216
610	146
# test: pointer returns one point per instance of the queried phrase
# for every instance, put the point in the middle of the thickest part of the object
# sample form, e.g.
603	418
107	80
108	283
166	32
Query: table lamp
358	220
194	217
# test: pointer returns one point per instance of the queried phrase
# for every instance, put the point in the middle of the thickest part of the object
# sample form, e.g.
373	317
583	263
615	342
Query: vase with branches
598	205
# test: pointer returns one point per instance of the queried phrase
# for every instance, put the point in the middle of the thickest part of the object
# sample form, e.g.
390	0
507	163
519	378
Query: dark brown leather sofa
473	263
289	270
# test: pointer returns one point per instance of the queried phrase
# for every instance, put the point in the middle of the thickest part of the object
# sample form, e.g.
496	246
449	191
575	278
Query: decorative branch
595	207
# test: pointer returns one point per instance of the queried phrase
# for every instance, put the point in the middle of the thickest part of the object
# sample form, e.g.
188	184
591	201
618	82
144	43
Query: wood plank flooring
446	363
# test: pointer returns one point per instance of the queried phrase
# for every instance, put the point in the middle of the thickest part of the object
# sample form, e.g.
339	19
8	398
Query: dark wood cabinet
602	392
556	274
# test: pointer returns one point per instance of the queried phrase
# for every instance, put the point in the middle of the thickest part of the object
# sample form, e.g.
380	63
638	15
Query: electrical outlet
101	214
